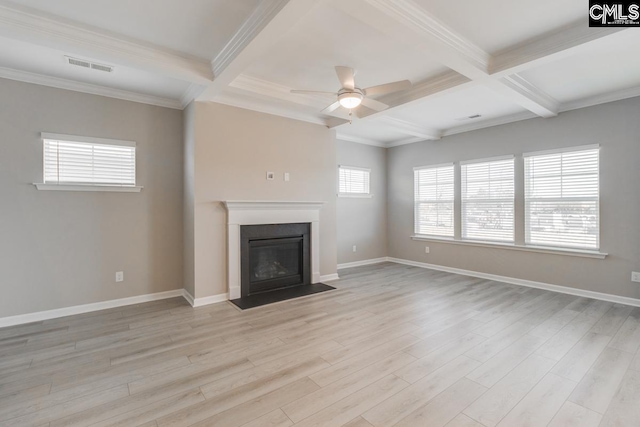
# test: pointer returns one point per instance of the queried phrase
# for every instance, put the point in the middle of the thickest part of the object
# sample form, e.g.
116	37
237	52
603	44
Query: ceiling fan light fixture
350	100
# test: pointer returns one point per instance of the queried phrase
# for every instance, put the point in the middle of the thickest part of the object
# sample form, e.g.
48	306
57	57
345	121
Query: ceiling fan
350	96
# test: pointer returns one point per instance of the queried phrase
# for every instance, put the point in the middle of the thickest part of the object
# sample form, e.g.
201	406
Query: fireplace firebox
274	257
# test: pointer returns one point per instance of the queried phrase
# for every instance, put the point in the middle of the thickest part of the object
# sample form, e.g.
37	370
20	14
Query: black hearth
274	256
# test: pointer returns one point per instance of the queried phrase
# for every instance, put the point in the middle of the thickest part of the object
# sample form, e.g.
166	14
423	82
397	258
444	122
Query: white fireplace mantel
252	212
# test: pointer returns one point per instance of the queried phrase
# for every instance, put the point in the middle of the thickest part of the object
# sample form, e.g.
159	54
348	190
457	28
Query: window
487	200
95	162
434	200
353	182
562	198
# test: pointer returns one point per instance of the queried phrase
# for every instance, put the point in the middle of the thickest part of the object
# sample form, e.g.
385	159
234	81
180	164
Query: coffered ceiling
472	64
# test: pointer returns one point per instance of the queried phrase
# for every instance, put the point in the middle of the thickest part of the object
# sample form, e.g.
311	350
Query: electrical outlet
286	176
635	276
355	248
270	176
426	249
119	276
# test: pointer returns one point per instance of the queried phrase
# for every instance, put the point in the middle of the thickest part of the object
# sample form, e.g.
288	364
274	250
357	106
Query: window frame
354	195
416	202
86	186
527	199
489	200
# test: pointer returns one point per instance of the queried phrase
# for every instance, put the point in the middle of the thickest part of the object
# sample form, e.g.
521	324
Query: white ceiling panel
306	57
494	25
609	65
453	109
199	28
49	62
372	132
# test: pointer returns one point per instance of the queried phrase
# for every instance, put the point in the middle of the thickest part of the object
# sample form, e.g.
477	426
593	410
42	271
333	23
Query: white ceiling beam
548	47
267	24
43	30
518	89
409	20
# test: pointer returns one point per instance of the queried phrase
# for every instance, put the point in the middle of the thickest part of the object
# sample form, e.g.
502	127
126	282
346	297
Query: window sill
109	188
355	196
510	246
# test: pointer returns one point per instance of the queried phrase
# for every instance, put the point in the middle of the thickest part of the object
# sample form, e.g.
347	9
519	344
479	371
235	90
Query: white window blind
90	162
562	198
434	187
353	180
487	200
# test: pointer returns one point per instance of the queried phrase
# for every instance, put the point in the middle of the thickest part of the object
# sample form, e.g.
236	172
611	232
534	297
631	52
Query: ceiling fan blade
388	88
331	108
374	105
346	77
314	92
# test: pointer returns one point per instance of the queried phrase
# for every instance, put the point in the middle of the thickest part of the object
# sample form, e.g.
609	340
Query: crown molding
56	82
409	128
548	47
192	93
263	107
257	21
274	90
54	32
358	140
490	123
601	99
406	141
412	15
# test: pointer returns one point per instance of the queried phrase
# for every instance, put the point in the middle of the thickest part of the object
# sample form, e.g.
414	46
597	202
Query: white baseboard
86	308
363	262
199	302
329	277
522	282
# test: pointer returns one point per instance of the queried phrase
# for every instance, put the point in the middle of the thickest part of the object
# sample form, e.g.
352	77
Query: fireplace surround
241	213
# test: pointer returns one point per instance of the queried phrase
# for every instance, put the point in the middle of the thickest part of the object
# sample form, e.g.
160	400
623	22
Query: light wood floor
394	345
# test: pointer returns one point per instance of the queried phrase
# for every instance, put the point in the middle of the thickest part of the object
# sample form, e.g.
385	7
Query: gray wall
234	148
615	126
59	249
361	221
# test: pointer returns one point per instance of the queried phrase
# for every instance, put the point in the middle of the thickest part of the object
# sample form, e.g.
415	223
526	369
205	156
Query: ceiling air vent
87	64
475	116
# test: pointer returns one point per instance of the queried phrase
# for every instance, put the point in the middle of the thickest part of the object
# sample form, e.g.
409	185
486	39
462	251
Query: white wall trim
56	82
86	308
522	282
199	302
363	262
329	277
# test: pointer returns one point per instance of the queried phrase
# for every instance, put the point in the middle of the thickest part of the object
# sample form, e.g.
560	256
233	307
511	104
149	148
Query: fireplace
274	257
